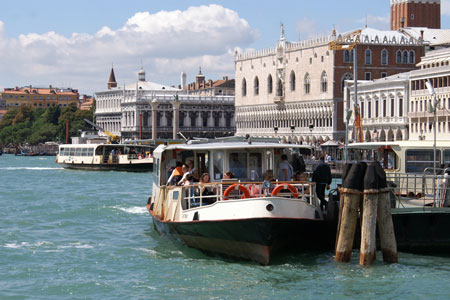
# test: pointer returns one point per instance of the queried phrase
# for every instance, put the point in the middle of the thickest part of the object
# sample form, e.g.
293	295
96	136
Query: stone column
176	110
154	119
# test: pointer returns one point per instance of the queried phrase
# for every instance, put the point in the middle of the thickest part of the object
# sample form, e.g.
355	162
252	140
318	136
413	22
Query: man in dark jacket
322	178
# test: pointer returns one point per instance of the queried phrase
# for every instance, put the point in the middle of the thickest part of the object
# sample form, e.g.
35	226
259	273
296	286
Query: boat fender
235	186
284	186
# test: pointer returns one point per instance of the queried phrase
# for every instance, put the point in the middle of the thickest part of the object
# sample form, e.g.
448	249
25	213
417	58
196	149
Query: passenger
193	170
185	170
207	190
322	178
267	184
176	175
237	167
285	171
228	175
205	179
301	177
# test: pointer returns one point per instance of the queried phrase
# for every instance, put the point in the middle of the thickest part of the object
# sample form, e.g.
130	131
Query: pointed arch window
368	57
347	76
307	82
244	88
269	84
279	88
384	57
412	57
324	82
256	86
399	57
405	57
292	81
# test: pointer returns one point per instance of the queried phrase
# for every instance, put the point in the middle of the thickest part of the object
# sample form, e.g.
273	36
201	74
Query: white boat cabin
103	153
247	161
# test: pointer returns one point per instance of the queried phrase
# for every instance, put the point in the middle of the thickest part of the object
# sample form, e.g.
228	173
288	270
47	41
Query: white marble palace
295	90
396	108
147	110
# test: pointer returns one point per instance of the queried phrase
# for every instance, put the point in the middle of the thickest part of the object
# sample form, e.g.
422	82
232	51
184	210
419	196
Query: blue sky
38	45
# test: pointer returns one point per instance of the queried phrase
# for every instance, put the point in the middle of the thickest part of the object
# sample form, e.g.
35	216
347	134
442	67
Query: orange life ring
232	187
284	186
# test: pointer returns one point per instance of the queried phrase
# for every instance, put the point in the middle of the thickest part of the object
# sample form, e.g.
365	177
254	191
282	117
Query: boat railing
198	195
415	189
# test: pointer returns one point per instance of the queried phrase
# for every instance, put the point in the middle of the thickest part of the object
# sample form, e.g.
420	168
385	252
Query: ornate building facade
295	90
383	107
434	67
147	110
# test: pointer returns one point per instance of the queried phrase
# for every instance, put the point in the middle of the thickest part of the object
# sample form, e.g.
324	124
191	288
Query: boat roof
400	144
218	144
111	145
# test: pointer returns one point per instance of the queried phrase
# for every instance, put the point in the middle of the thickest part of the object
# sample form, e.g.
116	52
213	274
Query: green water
87	235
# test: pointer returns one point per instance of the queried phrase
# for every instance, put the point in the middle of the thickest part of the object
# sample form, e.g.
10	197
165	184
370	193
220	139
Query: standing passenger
285	172
322	178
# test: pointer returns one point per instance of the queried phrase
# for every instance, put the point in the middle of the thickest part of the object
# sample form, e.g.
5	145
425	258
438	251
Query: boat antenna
183	137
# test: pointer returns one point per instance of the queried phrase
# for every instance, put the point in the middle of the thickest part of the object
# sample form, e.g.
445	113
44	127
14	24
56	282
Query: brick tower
415	13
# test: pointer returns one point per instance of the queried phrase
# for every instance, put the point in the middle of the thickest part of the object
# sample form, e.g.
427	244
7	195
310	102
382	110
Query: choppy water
86	235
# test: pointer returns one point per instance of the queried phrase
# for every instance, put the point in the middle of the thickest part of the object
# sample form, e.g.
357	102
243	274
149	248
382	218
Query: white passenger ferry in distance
241	217
105	157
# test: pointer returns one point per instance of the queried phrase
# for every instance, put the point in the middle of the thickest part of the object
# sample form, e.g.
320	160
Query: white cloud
377	22
308	28
168	42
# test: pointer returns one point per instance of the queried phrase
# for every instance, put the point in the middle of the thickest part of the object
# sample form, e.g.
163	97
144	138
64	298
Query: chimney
402	23
421	35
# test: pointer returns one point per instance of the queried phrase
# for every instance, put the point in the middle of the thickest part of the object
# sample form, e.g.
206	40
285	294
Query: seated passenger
268	182
206	190
304	187
176	175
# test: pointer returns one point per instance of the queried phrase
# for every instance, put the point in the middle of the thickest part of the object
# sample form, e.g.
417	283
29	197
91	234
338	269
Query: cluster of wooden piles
364	194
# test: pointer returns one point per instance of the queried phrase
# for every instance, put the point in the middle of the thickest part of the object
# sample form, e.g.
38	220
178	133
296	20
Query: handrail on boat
194	195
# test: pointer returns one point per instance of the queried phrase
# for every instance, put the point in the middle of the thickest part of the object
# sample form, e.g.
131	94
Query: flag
358	126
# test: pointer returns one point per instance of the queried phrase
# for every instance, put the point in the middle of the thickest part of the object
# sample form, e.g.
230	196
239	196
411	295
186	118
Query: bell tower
415	13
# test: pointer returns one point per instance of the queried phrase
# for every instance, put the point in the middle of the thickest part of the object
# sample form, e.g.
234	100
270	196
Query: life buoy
232	187
284	186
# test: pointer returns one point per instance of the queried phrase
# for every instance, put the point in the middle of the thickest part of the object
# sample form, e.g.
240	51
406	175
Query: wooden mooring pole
350	196
375	206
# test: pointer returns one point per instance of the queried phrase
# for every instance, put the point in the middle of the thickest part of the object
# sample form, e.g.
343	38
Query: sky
75	43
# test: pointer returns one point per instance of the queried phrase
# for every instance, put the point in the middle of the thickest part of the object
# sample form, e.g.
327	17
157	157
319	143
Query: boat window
418	160
84	152
175	195
61	151
72	152
90	152
446	157
255	164
99	151
218	165
78	152
156	174
238	164
269	160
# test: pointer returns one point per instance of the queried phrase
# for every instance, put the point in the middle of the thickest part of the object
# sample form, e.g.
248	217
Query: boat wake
45	244
29	168
137	210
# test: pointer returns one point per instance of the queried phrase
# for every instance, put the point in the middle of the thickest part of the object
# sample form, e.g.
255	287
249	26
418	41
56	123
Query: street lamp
432	109
292	131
